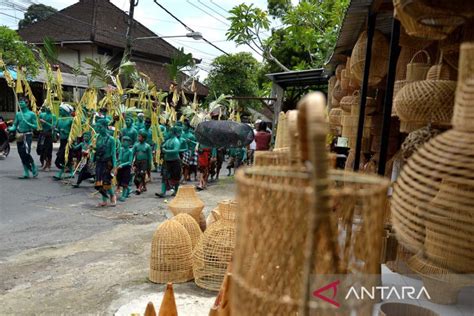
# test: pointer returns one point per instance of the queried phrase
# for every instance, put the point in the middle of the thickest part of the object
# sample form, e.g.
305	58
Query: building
96	29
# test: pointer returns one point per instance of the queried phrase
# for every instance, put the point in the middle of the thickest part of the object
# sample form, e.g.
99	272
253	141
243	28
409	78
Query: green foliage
36	13
50	51
235	74
178	62
306	38
15	52
100	73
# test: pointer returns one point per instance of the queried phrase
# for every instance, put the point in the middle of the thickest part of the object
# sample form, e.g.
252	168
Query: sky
205	16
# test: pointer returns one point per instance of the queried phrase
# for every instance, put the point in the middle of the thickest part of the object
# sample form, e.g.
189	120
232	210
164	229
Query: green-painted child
124	168
142	155
63	126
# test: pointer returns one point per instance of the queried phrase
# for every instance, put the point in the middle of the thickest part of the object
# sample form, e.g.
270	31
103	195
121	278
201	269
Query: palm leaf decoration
49	50
100	73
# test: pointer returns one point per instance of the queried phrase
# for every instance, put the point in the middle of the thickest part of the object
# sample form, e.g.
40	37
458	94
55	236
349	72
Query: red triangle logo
325	288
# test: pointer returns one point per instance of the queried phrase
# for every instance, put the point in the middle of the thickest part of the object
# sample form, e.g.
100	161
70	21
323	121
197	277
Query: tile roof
98	21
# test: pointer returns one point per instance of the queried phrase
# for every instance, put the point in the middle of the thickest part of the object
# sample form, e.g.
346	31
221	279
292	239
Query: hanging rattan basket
421	194
171	254
417	28
213	254
276	207
379	62
192	227
417	69
187	201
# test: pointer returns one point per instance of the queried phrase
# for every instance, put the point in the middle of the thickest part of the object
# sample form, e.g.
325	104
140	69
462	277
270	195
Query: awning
12	73
71	80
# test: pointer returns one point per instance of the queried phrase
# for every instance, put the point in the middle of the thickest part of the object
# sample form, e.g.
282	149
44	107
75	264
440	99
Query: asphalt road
39	212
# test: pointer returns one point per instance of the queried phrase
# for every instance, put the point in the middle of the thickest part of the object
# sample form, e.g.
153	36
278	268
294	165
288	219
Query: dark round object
224	134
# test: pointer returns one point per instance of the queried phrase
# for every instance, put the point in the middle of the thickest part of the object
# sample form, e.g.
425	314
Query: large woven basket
187	201
213	254
191	226
351	104
379	62
414	26
282	209
171	254
421	194
272	158
426	101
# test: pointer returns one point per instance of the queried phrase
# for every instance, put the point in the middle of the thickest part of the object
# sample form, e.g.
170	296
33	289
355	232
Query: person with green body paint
106	160
189	156
129	131
142	155
24	124
149	139
124	169
171	174
45	141
63	126
139	123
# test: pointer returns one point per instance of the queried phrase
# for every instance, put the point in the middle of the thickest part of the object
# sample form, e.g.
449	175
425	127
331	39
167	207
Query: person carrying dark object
262	137
24	125
64	125
86	166
45	140
142	157
106	161
172	165
218	157
124	169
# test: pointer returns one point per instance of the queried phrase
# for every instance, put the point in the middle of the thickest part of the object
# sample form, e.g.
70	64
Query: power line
187	27
212	9
205	12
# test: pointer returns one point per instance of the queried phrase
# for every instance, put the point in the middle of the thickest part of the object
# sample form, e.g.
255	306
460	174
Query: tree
235	74
36	13
15	53
305	39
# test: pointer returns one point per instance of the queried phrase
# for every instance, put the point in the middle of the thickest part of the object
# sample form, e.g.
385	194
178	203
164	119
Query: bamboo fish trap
289	216
187	201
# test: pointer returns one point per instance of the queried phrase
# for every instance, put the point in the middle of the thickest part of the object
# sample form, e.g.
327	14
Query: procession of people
118	161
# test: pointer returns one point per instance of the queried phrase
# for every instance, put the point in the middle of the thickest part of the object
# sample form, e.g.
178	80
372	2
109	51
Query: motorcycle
4	139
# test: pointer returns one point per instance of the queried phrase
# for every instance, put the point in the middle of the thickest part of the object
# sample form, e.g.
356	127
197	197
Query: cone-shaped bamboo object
168	305
222	304
150	310
187	201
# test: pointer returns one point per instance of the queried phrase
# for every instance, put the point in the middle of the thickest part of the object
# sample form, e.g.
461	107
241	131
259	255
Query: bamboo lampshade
187	201
213	254
433	200
191	226
379	62
171	254
276	205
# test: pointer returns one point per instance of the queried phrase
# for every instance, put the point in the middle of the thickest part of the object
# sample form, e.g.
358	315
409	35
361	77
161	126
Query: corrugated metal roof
299	78
355	21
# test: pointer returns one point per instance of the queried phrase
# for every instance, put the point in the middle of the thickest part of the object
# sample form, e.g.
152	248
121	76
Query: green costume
64	128
129	131
24	124
143	155
172	166
105	157
139	123
125	167
45	141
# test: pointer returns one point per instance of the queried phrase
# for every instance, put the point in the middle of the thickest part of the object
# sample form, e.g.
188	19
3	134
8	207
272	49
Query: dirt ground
98	274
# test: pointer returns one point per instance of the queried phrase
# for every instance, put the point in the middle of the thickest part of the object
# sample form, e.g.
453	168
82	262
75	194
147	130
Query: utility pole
128	46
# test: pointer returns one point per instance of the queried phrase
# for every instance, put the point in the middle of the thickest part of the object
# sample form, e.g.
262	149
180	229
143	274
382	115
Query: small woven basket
416	70
213	254
335	117
187	201
379	62
191	226
171	254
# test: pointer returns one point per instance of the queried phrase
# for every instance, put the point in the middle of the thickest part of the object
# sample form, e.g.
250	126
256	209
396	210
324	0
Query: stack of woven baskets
215	248
433	200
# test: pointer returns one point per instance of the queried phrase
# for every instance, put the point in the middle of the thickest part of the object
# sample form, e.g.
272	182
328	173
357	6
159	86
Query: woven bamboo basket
351	104
417	69
335	117
227	210
412	42
338	93
331	84
447	157
406	54
422	102
213	254
285	208
345	78
350	125
282	138
171	254
339	69
403	309
432	15
272	158
191	226
417	29
440	71
187	201
442	284
379	62
212	217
